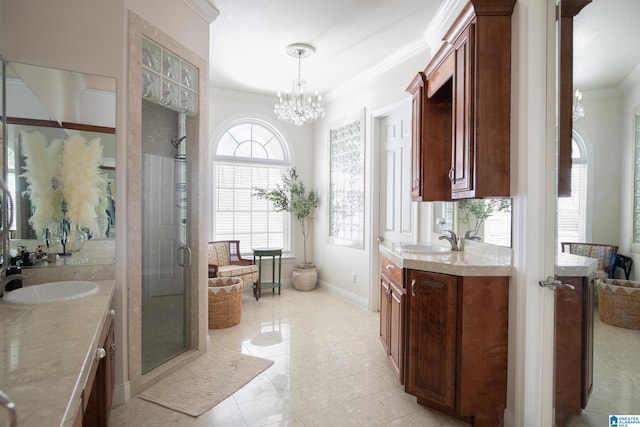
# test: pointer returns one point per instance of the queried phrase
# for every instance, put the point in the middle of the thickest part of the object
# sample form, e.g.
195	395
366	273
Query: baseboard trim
121	393
508	418
343	294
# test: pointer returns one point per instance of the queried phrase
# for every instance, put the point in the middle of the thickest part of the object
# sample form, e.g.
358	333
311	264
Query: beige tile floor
330	370
616	376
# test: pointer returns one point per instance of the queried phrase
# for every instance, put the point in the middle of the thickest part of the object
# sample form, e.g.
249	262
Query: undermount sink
423	249
51	292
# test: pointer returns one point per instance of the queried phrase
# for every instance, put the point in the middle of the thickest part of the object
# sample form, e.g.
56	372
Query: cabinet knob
413	285
452	175
389	267
112	312
100	353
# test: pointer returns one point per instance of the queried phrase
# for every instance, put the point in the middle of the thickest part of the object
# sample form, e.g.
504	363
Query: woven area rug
204	383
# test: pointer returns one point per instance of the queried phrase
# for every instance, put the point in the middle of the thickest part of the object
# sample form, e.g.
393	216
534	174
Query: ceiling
249	39
606	44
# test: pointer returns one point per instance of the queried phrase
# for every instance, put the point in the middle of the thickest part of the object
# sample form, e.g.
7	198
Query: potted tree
292	196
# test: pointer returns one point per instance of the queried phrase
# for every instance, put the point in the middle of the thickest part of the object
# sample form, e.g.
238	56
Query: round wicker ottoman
619	302
225	302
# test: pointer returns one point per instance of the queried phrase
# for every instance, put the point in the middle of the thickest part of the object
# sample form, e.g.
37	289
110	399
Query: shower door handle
183	256
10	407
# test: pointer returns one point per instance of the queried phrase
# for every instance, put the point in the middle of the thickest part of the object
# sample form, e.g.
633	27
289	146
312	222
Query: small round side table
257	259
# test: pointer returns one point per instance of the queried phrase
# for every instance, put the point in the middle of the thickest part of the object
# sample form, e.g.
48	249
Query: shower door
165	251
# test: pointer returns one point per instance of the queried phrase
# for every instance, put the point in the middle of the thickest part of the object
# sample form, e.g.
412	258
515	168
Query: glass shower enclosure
169	95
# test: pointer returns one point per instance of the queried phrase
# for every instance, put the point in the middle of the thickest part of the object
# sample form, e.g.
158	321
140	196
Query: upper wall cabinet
461	109
431	119
568	10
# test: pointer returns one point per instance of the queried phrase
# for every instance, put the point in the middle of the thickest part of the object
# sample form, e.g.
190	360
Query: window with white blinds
249	154
572	211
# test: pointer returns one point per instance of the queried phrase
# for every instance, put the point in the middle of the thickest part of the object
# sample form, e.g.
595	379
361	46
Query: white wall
601	129
309	144
91	36
75	35
630	104
228	106
336	264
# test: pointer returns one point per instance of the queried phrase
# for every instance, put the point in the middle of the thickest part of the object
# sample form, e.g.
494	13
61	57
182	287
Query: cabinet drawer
391	270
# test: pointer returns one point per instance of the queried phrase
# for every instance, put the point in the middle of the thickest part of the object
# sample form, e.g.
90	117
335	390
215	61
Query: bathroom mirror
60	105
481	220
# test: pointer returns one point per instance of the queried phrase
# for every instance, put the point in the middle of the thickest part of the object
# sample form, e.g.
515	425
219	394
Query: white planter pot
304	279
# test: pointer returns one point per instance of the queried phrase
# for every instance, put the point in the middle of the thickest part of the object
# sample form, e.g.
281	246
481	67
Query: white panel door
396	211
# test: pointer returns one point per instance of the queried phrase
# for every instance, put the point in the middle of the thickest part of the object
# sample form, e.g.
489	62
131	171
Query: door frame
531	313
374	119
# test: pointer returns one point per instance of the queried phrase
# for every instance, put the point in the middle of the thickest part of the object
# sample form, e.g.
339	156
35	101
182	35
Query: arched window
572	211
249	154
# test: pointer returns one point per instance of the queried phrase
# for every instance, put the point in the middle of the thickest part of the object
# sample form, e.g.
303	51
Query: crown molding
632	78
444	17
204	8
416	47
257	98
429	43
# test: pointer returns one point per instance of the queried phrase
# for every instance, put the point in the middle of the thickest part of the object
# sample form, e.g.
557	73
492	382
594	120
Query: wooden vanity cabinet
456	359
98	392
392	314
573	347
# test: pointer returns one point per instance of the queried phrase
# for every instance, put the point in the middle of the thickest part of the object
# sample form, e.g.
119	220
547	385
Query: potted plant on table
474	212
292	196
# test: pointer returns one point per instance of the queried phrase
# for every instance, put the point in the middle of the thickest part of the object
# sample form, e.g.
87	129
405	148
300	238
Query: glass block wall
168	80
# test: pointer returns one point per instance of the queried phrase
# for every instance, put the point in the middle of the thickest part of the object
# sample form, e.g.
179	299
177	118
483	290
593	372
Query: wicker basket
619	302
225	302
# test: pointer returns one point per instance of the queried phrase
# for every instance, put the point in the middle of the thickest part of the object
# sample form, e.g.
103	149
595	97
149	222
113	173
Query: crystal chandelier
578	108
296	107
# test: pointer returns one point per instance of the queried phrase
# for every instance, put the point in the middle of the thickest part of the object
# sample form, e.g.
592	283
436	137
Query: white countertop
457	263
570	265
473	262
46	354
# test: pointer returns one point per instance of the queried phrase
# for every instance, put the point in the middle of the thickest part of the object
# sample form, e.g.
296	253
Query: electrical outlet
353	277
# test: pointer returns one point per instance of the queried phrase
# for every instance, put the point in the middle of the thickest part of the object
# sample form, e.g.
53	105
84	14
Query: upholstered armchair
605	254
225	261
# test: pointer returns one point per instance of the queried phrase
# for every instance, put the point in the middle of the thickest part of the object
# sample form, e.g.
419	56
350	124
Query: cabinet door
573	346
396	329
431	347
431	135
463	144
99	396
385	291
108	378
417	90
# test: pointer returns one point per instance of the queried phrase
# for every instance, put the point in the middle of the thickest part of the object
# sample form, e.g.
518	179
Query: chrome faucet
452	238
8	279
468	236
